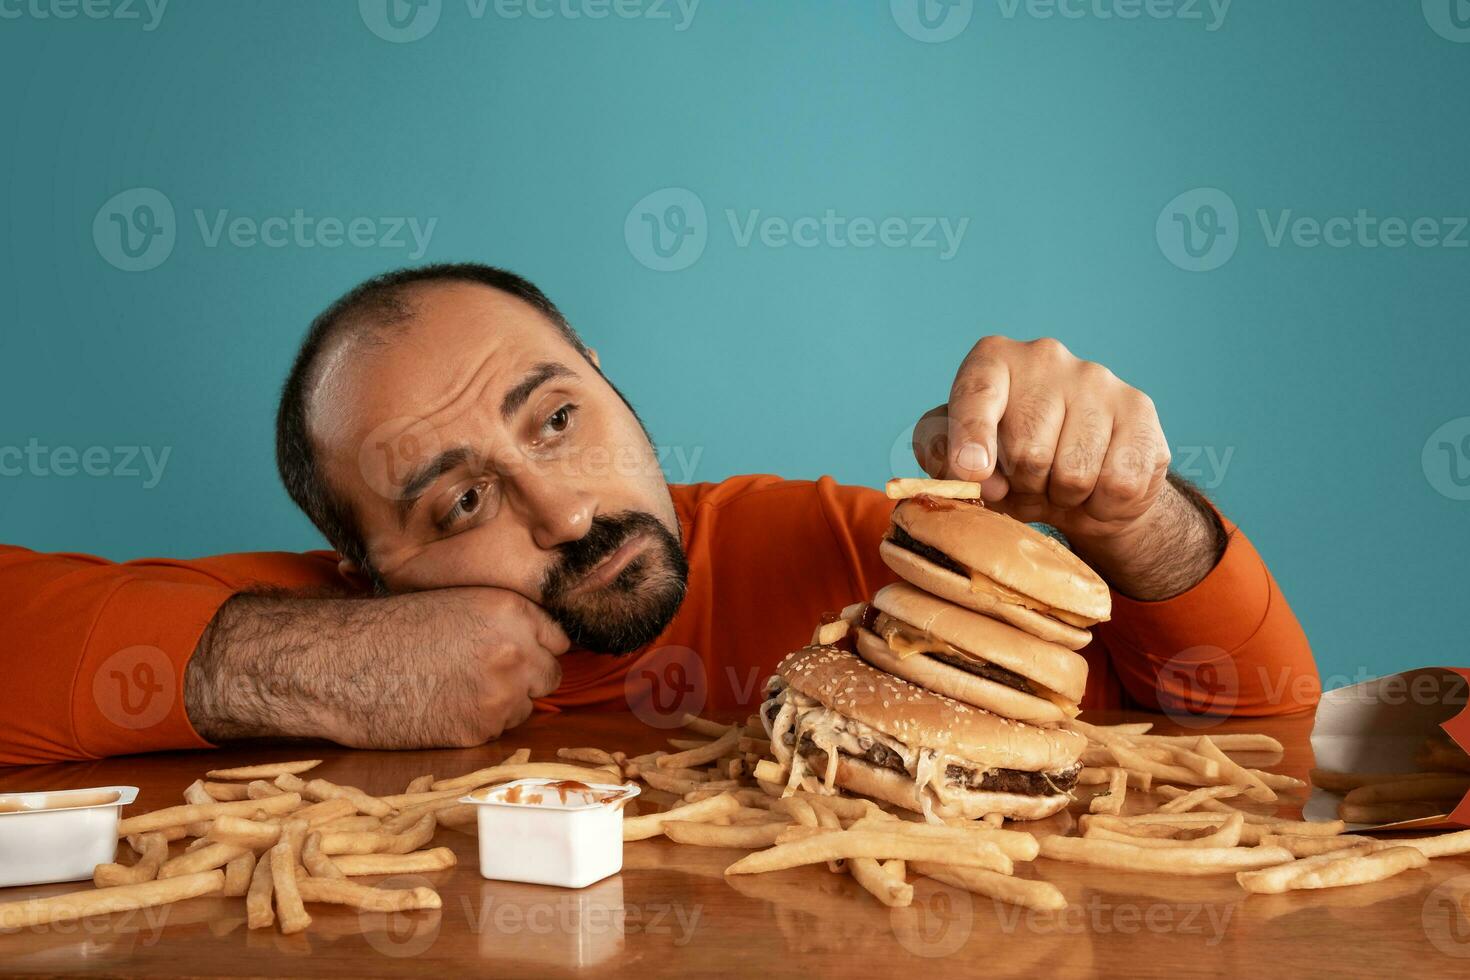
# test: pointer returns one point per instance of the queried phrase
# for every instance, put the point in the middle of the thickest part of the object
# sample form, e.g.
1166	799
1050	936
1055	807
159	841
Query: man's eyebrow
421	479
538	376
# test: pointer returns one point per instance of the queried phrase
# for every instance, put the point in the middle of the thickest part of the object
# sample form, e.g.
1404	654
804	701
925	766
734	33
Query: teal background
1322	372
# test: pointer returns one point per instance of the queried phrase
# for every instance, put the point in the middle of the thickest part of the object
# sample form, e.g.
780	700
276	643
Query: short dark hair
377	303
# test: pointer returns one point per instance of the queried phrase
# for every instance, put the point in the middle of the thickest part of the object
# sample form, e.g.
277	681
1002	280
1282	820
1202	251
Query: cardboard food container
1381	725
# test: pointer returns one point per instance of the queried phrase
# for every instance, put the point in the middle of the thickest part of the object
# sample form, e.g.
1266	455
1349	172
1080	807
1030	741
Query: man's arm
96	656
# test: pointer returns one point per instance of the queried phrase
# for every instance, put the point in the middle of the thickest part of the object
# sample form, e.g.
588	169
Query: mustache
606	534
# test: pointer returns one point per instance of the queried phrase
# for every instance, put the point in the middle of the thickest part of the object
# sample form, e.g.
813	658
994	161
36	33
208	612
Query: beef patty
908	542
995	781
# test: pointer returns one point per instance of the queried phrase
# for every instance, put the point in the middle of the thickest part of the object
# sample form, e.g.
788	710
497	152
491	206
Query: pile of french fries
282	842
1390	797
726	790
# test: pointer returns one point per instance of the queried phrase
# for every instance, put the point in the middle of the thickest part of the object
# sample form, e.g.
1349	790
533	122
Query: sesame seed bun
922	719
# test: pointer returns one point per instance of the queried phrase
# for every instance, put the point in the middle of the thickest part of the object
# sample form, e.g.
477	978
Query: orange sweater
94	652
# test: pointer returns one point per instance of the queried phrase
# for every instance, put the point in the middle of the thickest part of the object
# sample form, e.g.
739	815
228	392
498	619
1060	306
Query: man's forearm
1168	551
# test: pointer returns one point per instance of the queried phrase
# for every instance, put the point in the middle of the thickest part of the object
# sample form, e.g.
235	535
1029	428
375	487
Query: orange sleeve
1229	645
94	652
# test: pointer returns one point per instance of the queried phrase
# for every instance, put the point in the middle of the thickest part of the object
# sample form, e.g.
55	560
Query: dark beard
632	609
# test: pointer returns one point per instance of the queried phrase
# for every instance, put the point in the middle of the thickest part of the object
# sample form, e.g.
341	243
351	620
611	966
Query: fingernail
973	457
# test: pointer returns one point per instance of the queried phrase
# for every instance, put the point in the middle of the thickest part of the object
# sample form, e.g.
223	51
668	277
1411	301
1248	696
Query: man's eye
466	506
558	420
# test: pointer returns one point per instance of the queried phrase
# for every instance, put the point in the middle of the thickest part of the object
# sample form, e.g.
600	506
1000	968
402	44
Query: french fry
283	857
527	770
317	864
258	911
1312	846
419	784
704	726
1280	781
1278	879
1344	782
1376	813
1361	869
1227	836
1192	799
416	862
152	851
227	792
403	800
1445	845
195	812
1439	788
889	888
517	758
848	844
204	859
728	742
245	833
373	842
339	891
1249	742
845	807
902	487
1014	844
1250	781
1040	895
589	755
324	812
651	825
238	874
825	635
321	790
1112	800
706	835
101	901
259	789
290	782
269	770
1180	861
353	823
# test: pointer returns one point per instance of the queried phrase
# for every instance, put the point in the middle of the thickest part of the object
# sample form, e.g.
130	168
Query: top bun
848	685
1047	664
1016	556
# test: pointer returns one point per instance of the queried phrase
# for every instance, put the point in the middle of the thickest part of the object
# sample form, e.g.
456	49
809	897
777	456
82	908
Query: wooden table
672	912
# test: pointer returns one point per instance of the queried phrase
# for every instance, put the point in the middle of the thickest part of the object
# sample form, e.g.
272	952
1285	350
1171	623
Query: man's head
445	426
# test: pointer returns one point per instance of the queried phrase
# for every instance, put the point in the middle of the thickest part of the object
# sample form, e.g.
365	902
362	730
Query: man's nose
555	511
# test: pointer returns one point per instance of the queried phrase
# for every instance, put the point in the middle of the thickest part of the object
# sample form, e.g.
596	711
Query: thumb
976	403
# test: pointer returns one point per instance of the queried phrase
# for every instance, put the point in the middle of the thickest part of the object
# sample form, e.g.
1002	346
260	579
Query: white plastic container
533	831
60	835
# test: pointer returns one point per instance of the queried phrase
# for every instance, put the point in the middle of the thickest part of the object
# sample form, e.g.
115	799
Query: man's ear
592	356
353	575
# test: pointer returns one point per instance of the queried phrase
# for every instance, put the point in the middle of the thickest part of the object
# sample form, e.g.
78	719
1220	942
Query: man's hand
450	667
1063	441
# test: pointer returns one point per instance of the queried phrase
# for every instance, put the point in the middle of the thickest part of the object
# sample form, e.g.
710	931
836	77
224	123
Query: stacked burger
946	693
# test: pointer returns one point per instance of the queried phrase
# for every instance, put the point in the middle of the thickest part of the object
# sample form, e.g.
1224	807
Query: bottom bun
898	789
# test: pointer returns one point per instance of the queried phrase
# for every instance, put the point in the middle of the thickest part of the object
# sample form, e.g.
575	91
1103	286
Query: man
504	539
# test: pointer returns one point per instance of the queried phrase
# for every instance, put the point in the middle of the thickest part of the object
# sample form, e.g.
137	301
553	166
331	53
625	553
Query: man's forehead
459	344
